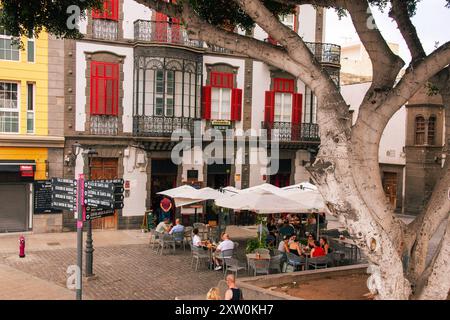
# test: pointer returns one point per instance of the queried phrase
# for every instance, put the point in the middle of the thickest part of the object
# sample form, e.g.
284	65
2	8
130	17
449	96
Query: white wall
127	101
300	173
133	11
261	84
307	23
394	135
134	201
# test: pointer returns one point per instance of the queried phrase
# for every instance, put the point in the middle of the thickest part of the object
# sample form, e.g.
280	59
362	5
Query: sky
432	22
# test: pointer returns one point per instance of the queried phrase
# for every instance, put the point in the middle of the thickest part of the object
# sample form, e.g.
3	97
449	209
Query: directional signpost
64	194
89	199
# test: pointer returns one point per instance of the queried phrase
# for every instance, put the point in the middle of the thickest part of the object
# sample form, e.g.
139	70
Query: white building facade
135	79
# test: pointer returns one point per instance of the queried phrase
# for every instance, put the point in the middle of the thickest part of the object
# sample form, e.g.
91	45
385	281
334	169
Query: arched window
419	130
432	130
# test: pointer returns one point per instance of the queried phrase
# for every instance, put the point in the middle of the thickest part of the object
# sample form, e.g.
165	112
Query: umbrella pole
195	215
318	226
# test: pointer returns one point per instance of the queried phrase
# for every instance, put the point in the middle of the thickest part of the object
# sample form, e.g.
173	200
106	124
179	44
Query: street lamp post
89	246
76	148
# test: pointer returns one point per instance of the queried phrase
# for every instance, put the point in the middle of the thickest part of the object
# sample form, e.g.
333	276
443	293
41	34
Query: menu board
43	197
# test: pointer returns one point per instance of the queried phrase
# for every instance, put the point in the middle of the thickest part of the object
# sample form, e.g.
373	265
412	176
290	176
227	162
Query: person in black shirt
233	292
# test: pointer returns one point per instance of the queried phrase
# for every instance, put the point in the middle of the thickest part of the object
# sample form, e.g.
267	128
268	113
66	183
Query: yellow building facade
31	135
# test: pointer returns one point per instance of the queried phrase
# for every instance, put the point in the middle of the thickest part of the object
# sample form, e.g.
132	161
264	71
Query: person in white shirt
226	244
163	226
196	240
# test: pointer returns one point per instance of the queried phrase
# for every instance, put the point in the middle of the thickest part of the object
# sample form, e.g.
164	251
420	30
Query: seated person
196	240
177	228
324	245
294	246
286	229
163	226
322	218
312	219
310	241
283	245
226	244
317	251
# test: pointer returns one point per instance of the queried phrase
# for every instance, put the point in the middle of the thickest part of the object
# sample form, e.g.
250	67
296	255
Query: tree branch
435	281
399	12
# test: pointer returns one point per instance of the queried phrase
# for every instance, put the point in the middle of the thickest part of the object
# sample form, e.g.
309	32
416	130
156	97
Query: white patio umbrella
303	185
230	190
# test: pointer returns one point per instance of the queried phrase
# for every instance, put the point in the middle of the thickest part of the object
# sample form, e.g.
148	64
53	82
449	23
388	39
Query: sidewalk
18	285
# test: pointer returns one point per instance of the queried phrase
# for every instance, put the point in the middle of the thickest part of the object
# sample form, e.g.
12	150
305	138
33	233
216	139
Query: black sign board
118	191
92	213
43	197
64	194
98	194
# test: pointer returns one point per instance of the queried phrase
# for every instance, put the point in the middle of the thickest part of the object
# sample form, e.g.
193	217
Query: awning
17	166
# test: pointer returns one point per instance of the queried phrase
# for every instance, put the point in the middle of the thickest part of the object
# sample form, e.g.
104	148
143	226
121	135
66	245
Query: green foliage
253	244
31	17
227	12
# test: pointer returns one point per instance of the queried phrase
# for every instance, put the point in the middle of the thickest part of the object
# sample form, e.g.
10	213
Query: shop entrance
283	177
218	175
105	168
163	176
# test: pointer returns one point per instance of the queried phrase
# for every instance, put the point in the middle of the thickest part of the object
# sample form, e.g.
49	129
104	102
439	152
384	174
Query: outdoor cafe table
351	245
261	256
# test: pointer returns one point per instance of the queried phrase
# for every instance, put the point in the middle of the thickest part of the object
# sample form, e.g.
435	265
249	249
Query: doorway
218	175
105	168
390	187
283	177
163	177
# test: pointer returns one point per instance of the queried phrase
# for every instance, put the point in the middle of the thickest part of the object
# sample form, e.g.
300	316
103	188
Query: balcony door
105	168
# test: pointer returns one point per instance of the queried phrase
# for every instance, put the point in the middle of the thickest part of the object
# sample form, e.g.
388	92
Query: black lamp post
89	247
76	148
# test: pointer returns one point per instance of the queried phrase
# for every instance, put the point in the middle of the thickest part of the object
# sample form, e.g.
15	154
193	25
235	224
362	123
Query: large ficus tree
346	169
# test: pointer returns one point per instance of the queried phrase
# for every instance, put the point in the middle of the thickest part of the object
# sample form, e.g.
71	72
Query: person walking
233	292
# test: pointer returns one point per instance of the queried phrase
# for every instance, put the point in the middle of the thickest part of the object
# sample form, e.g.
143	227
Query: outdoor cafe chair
156	238
224	255
233	265
275	262
260	266
295	261
198	254
318	262
165	241
179	239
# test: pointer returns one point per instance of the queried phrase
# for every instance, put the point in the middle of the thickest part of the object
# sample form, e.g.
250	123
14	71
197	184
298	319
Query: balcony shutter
161	27
206	102
176	31
104	97
269	109
236	104
110	11
297	104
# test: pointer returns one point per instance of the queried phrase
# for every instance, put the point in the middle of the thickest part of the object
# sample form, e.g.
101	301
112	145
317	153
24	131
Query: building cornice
31	141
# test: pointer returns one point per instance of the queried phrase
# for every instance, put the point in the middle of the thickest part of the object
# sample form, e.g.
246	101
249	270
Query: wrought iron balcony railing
325	52
163	32
156	126
104	125
286	131
105	29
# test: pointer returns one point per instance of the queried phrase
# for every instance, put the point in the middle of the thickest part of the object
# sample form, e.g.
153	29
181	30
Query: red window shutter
269	109
236	104
221	80
110	11
297	104
104	88
176	31
206	102
161	27
283	85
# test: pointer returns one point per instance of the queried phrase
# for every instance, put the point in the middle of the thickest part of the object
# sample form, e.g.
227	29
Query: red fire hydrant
22	247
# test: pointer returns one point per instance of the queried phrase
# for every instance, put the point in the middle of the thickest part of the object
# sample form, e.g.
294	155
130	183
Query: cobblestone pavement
123	272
